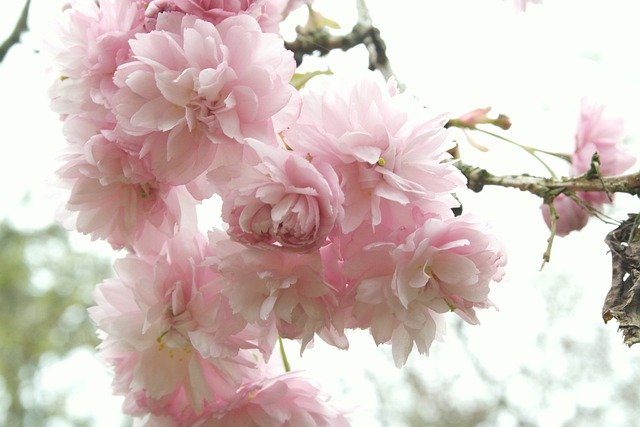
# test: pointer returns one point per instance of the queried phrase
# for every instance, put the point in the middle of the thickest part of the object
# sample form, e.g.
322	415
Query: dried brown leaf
623	300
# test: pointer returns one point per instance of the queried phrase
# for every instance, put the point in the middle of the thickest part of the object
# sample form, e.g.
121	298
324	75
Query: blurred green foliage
45	288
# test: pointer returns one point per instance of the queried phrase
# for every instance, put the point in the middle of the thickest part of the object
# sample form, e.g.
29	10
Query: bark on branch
321	41
543	187
14	37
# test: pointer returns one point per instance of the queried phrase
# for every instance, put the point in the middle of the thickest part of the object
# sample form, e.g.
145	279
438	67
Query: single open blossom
290	287
383	151
174	383
283	200
89	44
404	285
459	259
194	86
570	215
603	135
114	196
287	400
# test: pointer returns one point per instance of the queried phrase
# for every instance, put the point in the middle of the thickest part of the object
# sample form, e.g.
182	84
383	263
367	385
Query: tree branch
14	37
374	43
543	187
323	42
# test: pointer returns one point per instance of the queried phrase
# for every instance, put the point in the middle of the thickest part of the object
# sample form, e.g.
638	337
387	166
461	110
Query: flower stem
283	354
553	214
530	150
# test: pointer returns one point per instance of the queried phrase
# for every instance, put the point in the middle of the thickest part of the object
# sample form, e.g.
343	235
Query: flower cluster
337	209
164	106
594	134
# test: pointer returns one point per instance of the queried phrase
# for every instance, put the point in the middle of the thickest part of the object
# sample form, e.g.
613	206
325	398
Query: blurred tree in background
45	288
572	378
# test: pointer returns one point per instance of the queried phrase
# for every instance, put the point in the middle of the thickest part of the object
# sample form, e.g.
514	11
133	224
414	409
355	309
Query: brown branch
14	37
321	41
548	189
544	187
374	43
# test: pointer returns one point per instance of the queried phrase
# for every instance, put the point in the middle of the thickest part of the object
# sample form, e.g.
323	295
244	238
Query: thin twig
377	48
14	37
553	216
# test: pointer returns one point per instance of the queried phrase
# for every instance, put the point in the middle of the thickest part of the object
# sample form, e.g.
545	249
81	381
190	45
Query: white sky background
454	55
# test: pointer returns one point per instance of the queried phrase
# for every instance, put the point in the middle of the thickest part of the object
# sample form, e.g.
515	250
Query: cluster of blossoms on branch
337	209
595	134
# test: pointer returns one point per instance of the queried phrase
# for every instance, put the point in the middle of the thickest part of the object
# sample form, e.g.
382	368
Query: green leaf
330	23
300	79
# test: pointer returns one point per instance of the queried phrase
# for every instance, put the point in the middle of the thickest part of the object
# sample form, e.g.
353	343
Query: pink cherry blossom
287	400
194	86
594	134
213	11
113	194
91	41
604	135
481	116
404	284
174	383
180	346
383	151
288	286
283	201
268	13
459	259
571	216
341	219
